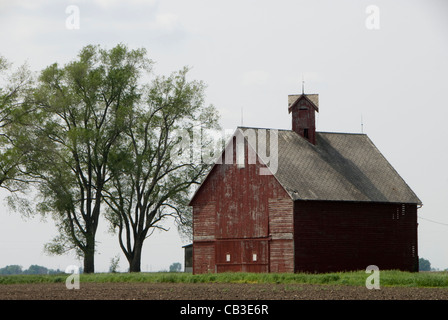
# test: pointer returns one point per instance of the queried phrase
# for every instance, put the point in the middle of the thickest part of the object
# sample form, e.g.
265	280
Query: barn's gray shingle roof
340	167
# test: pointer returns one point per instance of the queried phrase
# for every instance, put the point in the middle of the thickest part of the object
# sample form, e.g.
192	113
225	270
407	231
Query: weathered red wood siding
204	222
203	257
339	236
248	255
231	218
281	228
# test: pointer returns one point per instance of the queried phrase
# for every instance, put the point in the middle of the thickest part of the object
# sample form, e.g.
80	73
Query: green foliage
114	264
151	168
33	269
79	111
14	105
91	133
424	265
11	269
175	267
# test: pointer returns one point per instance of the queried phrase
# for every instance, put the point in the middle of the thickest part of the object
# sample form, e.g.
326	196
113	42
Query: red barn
303	201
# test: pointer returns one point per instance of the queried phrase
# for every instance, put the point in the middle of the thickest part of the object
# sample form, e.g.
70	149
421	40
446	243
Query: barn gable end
236	227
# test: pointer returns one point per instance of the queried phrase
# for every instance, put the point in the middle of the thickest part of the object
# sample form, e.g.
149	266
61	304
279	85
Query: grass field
390	278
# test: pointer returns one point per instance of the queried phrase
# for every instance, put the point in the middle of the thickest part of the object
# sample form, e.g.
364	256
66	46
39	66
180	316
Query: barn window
306	133
227	257
403	209
254	256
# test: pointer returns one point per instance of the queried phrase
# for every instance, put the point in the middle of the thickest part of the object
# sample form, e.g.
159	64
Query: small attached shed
310	202
188	257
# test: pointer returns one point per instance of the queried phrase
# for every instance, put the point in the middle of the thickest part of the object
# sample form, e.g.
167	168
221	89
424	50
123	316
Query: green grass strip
388	278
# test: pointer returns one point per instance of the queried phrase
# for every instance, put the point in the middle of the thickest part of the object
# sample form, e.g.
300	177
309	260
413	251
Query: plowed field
213	291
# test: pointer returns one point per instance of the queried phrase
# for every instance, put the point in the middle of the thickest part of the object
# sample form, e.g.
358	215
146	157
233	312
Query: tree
152	167
113	268
80	110
35	269
424	265
11	269
175	267
13	106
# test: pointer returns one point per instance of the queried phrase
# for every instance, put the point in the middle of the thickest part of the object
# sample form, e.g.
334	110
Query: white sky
252	54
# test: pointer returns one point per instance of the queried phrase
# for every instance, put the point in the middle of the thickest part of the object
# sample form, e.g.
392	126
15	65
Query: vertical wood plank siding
231	212
242	255
203	257
204	221
281	229
340	236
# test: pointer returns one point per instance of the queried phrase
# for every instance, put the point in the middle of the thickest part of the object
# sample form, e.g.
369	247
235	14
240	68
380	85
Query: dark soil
213	291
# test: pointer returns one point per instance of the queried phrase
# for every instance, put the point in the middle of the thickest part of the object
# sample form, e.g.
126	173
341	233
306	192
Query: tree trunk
89	263
136	259
89	255
91	226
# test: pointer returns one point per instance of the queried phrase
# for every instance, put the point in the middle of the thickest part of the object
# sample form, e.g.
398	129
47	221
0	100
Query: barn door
255	256
242	255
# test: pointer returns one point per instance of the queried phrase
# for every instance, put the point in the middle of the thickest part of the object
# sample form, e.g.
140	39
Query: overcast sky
392	73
